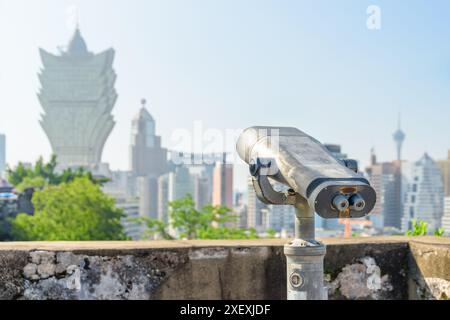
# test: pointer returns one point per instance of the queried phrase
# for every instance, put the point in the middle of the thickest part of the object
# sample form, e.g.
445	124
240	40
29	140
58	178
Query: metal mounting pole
304	257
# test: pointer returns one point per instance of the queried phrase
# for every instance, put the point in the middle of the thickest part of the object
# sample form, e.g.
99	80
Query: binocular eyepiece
354	202
341	203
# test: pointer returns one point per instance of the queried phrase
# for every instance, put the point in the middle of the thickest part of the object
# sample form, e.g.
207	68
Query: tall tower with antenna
387	179
399	137
394	216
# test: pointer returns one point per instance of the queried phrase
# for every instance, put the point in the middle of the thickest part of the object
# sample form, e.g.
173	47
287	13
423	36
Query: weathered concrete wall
429	265
368	268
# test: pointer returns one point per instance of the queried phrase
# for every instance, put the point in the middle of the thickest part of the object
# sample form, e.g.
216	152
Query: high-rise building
121	184
254	208
202	191
444	165
163	198
173	186
130	207
148	161
240	210
193	177
282	218
446	217
77	95
265	222
424	198
148	158
382	176
201	168
181	183
123	188
148	196
2	154
223	185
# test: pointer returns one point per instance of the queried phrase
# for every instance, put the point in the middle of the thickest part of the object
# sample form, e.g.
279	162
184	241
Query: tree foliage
271	233
211	222
439	232
154	228
76	210
43	174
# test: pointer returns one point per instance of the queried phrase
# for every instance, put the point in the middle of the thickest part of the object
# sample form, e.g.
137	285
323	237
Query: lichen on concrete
431	289
11	282
65	275
208	253
361	280
439	288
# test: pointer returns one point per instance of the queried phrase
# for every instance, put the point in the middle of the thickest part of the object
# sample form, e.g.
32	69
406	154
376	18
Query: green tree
31	182
154	227
72	211
18	174
211	222
271	233
43	174
192	223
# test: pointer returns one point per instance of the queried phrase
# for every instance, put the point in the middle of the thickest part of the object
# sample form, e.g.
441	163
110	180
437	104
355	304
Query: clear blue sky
233	64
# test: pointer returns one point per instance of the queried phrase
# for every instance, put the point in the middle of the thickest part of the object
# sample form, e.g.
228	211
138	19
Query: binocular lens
357	203
340	203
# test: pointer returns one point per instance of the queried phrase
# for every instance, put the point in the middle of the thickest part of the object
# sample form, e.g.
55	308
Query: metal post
304	257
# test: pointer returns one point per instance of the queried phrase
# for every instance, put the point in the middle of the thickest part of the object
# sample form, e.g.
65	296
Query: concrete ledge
360	268
146	245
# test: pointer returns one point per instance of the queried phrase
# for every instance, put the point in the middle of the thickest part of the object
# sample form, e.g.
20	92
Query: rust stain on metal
348	190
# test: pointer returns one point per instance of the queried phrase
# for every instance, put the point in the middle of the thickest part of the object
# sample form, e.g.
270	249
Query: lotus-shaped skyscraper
77	95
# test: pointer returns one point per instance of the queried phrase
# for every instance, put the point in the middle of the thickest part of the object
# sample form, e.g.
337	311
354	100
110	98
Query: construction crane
348	225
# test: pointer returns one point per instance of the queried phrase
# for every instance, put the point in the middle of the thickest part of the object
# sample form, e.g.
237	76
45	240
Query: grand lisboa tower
77	95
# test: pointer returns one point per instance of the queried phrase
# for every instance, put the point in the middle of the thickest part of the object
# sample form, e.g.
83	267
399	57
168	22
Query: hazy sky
232	64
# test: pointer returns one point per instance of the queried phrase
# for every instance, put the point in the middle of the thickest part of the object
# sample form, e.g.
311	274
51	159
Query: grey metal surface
305	165
305	271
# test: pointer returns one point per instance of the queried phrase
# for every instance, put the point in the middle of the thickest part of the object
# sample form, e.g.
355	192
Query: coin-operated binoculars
318	183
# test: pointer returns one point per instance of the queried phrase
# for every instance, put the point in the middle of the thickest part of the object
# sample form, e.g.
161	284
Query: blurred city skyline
230	65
